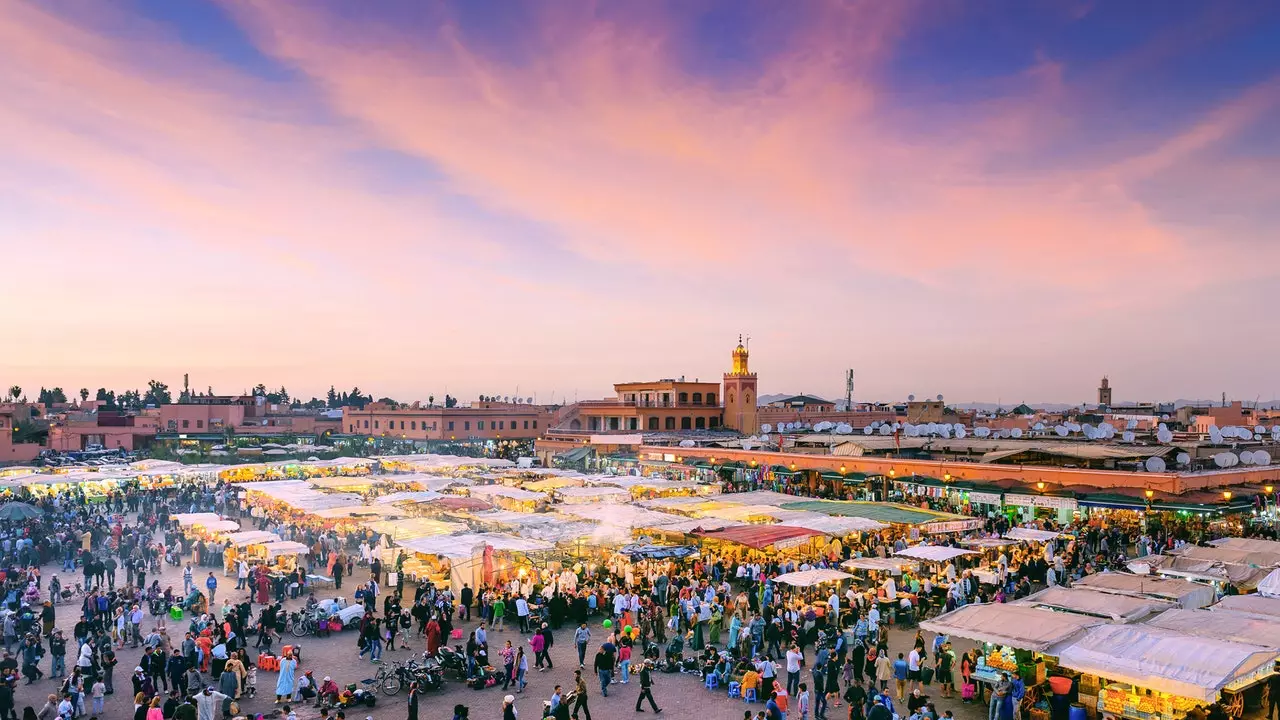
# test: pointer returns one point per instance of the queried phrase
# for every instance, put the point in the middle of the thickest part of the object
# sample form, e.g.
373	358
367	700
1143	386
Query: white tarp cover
1163	660
826	524
1224	625
189	519
934	553
1184	592
1251	604
492	491
1018	626
415	496
510	518
414	527
893	565
688	526
251	537
1021	533
809	578
220	526
285	547
765	497
579	495
1247	544
1269	586
371	512
456	546
988	542
1242	575
1119	608
621	515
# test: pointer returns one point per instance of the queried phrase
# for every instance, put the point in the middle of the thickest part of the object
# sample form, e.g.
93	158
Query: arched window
575	424
653	423
701	424
715	422
683	398
686	423
711	398
697	398
730	398
670	424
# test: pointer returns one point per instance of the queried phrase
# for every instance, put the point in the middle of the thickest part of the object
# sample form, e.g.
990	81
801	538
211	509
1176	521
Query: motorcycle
454	661
428	676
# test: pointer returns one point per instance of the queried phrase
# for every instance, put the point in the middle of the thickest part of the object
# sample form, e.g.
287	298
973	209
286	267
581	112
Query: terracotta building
483	420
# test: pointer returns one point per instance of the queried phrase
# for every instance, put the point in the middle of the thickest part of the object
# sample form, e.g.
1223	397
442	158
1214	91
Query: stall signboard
791	542
951	526
1040	501
984	498
635	439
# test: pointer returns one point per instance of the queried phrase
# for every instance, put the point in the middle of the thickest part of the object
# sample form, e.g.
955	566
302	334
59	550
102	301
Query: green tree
450	401
157	394
15	392
84	395
129	400
431	401
107	398
357	400
332	398
260	390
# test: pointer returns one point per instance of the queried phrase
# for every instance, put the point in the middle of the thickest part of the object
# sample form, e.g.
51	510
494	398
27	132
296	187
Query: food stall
1147	672
584	495
1186	594
474	558
1018	639
279	556
1108	606
1260	605
236	542
186	520
509	498
766	540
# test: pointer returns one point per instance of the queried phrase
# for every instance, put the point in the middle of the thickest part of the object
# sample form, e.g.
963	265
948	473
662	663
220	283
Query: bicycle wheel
391	684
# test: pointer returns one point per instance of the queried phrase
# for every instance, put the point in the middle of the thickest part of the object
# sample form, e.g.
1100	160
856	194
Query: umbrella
19	511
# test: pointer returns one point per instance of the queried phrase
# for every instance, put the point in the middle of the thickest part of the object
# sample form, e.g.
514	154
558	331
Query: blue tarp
658	552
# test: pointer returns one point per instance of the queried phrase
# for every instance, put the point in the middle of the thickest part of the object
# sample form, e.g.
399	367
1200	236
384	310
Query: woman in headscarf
263	586
235	666
433	637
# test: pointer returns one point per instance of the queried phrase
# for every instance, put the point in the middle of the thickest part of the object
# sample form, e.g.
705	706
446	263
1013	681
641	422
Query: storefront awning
1018	626
760	536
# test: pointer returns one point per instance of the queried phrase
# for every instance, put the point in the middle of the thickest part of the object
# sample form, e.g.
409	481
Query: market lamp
713	461
892	472
1149	493
1226	495
1269	488
946	477
1040	486
841	469
793	466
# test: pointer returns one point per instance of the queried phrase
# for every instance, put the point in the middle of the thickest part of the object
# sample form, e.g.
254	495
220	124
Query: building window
526	424
711	398
715	422
413	424
653	423
697	398
479	424
502	425
351	428
199	424
450	424
683	398
671	423
595	423
366	424
186	424
633	423
401	424
686	423
701	424
666	399
535	424
613	423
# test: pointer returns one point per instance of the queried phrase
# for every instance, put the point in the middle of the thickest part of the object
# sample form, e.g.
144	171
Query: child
289	713
802	702
98	692
624	661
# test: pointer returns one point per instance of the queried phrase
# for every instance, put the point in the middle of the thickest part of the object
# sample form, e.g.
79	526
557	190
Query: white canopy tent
1184	592
220	526
251	537
1269	586
189	519
1115	607
809	578
621	515
934	553
285	547
1019	626
464	545
1164	660
410	496
1224	625
1259	605
1031	534
893	565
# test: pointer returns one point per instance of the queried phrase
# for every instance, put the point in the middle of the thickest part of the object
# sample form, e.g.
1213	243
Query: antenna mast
848	390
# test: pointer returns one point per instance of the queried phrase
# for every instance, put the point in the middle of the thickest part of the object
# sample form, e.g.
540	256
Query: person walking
509	708
604	668
211	584
581	636
646	687
284	686
580	696
522	669
414	692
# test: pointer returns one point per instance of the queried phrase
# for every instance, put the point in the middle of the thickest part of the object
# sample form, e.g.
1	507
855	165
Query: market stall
592	495
1259	605
1108	606
186	520
280	556
1147	672
809	578
1186	594
509	498
474	558
776	539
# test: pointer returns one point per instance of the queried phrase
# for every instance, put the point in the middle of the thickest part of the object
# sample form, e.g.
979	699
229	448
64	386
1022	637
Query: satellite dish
687	443
1127	436
1164	417
1131	425
1038	427
1162	426
1246	457
1221	459
957	427
1164	435
1259	429
868	430
1215	436
747	445
885	429
767	427
1155	464
1261	457
960	433
528	401
1184	459
875	424
911	398
1016	432
1061	430
822	426
939	397
982	432
1004	432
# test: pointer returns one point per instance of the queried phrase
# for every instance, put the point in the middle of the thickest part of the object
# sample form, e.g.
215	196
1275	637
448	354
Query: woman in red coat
433	636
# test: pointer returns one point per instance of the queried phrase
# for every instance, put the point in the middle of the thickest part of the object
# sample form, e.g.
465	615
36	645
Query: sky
985	200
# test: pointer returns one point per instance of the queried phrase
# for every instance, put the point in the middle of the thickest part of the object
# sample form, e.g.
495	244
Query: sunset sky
988	200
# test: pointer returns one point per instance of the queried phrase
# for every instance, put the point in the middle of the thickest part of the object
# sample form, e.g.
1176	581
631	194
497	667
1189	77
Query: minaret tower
740	394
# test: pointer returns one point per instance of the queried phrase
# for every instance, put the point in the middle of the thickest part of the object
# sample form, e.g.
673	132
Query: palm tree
15	392
84	395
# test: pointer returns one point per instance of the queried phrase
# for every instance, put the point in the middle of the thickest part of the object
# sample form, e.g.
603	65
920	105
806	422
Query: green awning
575	455
831	475
784	470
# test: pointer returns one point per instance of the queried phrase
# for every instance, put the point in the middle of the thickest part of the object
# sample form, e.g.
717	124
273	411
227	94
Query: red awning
758	536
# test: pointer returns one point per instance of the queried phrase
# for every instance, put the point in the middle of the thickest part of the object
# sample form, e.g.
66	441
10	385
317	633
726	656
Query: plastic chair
735	690
712	681
750	695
